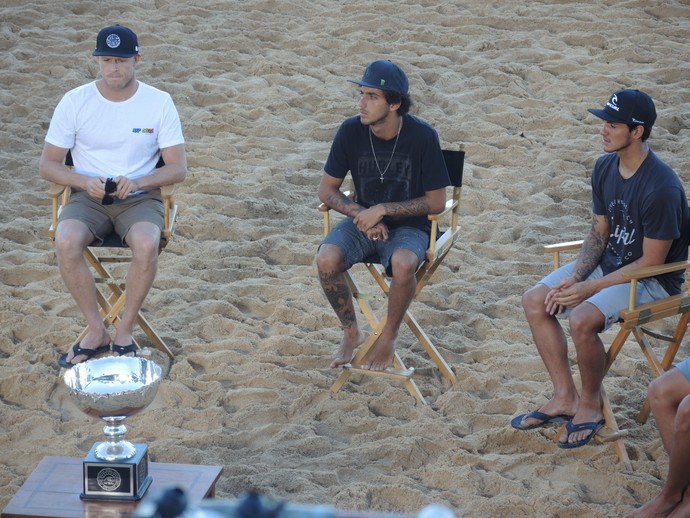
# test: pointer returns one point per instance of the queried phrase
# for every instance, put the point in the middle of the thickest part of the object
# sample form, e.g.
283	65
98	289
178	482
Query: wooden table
53	489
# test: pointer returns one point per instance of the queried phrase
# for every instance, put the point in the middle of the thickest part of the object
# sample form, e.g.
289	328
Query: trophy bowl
113	389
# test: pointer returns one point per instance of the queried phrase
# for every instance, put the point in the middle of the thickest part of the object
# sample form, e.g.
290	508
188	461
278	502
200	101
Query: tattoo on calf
338	295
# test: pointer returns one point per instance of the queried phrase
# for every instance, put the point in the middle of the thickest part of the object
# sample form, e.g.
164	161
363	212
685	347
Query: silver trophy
113	389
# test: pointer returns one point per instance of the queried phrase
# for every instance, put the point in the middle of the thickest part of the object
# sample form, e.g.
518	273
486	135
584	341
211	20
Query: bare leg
71	239
330	263
404	265
670	400
553	348
143	239
585	323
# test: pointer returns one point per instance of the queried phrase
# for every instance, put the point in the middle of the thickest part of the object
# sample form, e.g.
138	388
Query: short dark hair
645	134
395	98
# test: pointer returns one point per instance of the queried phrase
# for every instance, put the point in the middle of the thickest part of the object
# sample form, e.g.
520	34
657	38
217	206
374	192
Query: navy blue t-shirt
416	166
652	203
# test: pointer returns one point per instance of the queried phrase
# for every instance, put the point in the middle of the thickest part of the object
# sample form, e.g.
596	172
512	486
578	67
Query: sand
261	89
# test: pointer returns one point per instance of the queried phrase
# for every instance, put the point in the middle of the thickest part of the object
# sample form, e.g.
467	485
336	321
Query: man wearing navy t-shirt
640	219
397	167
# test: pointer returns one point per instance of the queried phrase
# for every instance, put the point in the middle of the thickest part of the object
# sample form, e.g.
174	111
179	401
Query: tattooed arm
331	195
432	202
592	248
572	291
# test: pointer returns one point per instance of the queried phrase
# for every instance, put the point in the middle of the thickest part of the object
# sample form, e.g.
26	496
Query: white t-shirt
111	139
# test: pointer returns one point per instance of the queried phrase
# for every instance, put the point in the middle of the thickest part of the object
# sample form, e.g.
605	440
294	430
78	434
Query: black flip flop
78	351
121	350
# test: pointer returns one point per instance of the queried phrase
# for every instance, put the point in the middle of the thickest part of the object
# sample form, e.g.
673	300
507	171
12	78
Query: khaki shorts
119	217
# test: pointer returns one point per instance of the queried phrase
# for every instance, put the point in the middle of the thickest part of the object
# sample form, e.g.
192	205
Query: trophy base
116	480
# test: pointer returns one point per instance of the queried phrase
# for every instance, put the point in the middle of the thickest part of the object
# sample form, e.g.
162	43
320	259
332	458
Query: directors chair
635	320
439	246
112	300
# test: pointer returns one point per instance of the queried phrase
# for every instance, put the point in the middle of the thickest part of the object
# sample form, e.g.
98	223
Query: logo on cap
613	103
383	82
113	41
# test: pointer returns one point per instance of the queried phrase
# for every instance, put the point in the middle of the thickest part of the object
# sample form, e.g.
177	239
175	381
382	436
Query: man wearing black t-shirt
400	177
640	218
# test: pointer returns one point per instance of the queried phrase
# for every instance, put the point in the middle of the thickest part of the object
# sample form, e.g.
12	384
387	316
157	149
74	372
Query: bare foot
657	508
682	510
91	341
381	357
347	348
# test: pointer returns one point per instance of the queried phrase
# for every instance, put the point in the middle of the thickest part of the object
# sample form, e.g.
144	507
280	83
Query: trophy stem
115	447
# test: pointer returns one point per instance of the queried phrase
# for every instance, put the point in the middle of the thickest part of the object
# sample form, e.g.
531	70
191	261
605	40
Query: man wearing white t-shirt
116	129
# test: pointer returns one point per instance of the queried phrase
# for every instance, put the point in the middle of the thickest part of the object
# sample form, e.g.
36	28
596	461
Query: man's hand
95	186
125	187
379	231
368	218
568	294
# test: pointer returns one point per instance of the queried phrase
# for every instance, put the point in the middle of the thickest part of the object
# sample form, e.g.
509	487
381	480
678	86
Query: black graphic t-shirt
415	167
651	203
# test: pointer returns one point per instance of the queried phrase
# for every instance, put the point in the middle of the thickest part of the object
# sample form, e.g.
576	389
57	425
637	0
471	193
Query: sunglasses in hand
110	188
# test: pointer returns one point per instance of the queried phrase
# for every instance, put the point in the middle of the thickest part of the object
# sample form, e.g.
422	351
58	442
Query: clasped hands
95	187
567	294
369	222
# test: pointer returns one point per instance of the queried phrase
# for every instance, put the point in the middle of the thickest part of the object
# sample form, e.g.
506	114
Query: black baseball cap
118	41
384	75
628	107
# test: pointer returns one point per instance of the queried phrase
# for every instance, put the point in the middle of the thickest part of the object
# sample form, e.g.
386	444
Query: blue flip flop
594	426
78	351
545	419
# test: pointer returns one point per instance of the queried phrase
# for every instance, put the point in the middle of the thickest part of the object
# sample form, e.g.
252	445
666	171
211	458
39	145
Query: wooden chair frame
633	320
439	246
112	303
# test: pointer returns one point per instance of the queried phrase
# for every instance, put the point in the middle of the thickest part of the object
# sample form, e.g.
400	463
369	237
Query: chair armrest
168	190
450	205
557	248
56	190
562	247
650	271
653	271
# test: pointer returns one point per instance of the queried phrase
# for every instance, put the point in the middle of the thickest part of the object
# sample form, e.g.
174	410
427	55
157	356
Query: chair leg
112	306
666	363
429	347
402	372
616	435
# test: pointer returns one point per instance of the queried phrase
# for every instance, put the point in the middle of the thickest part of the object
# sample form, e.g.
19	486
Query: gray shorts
119	217
684	368
609	301
358	248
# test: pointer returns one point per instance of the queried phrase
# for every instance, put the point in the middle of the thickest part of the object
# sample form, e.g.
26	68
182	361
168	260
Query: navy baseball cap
384	75
628	107
118	41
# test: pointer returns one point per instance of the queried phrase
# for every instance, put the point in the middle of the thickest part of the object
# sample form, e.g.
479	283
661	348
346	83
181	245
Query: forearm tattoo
343	204
592	250
414	207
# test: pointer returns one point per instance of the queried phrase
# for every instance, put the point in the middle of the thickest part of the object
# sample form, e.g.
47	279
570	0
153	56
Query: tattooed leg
338	293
